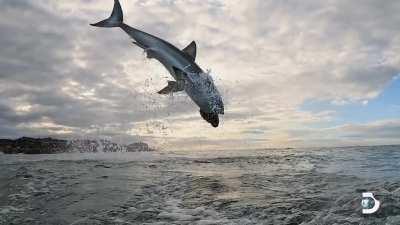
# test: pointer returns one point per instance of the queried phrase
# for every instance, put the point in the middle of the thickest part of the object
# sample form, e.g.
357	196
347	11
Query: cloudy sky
292	73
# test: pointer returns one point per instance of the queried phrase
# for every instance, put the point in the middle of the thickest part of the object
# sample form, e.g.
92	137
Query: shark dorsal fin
191	50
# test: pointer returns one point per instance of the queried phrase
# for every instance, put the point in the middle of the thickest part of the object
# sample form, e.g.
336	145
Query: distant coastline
28	145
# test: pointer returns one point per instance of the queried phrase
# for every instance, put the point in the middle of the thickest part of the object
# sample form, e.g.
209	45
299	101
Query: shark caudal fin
116	18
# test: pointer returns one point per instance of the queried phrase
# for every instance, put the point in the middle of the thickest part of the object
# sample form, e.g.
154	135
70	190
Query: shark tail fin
115	20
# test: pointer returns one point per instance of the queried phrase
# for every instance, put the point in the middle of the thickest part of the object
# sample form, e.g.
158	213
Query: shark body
188	76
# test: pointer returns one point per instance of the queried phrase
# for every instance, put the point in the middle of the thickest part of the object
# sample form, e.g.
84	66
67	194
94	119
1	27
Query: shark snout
219	106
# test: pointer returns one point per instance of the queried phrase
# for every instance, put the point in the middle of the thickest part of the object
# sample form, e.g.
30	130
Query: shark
181	64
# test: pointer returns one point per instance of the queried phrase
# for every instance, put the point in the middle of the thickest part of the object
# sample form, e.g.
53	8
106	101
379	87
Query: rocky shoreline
27	145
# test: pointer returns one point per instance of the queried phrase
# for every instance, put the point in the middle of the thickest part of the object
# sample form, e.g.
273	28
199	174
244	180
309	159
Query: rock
28	145
6	144
138	147
33	146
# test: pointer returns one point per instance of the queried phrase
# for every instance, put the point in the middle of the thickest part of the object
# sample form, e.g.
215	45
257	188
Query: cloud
387	129
59	76
372	133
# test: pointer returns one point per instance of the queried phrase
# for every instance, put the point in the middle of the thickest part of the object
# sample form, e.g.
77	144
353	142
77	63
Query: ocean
318	186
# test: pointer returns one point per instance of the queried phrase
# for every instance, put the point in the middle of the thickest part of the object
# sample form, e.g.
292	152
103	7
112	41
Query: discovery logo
369	203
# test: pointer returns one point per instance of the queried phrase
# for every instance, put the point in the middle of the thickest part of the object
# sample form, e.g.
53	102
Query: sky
292	73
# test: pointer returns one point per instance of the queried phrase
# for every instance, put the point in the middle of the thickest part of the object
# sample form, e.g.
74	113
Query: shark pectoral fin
165	90
173	87
191	50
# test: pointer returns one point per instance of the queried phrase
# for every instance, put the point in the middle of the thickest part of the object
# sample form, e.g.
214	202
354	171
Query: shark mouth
211	118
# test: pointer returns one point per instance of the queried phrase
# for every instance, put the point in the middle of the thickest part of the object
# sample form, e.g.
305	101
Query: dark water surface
293	186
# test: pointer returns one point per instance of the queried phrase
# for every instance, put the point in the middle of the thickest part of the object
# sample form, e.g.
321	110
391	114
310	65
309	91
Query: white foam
8	209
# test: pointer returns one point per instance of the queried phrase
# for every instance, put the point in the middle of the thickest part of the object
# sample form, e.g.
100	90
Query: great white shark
189	77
